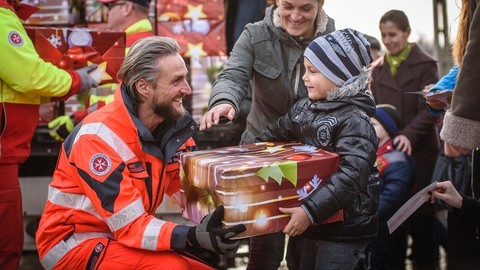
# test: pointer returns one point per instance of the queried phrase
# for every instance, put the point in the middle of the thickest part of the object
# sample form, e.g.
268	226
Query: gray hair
142	60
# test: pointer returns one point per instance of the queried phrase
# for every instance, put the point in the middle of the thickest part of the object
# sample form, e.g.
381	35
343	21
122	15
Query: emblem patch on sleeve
15	38
100	164
323	135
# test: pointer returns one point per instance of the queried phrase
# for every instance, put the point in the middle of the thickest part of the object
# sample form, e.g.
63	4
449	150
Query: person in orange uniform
114	169
130	16
25	82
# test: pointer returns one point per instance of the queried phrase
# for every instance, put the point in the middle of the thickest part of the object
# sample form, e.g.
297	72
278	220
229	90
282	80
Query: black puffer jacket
341	125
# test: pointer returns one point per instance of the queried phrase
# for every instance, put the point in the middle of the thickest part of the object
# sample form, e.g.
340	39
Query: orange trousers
106	254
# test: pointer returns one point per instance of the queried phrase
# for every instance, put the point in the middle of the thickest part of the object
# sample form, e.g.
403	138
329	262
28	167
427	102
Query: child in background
336	117
395	175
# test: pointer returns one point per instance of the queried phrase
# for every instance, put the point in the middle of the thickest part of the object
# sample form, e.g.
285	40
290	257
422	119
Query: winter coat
341	125
111	176
418	124
395	176
461	125
272	61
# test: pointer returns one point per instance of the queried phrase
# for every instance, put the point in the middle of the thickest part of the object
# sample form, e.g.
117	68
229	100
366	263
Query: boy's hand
298	223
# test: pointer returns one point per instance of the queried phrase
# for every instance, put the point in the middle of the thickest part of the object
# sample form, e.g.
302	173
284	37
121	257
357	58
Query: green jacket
271	60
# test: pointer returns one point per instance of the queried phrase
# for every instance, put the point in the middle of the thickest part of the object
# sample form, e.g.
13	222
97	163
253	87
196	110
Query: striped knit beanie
340	55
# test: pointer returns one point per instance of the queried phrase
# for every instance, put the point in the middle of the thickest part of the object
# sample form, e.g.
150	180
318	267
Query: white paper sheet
410	207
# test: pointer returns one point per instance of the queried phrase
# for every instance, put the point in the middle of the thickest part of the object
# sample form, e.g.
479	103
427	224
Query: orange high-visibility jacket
110	178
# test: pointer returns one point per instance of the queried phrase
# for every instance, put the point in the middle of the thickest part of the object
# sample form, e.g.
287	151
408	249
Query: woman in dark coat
407	68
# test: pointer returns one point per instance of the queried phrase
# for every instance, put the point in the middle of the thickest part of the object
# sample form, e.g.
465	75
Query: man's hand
211	235
60	127
87	80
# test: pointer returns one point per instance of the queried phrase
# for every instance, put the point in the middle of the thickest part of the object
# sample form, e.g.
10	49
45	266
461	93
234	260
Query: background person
463	169
25	82
395	176
463	115
407	68
269	56
116	166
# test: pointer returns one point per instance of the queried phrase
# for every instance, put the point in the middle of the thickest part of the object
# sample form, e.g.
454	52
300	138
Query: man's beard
167	111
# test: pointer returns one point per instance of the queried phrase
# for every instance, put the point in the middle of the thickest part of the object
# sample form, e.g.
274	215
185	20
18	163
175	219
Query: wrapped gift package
252	182
198	25
73	48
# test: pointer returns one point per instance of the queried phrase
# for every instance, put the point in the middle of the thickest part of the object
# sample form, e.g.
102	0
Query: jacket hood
355	92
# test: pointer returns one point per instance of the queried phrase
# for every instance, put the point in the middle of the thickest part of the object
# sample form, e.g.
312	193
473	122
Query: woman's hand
212	117
446	192
403	144
454	151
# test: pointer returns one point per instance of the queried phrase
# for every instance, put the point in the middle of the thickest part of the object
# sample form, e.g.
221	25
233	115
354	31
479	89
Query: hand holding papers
410	207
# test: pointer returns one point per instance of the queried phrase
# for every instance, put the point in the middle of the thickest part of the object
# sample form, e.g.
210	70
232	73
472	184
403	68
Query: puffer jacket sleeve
282	129
356	144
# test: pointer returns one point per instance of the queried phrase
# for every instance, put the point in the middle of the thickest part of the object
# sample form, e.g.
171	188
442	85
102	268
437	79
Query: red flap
71	48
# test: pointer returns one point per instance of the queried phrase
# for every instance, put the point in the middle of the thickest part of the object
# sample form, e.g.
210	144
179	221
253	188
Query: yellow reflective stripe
151	234
108	136
126	215
96	99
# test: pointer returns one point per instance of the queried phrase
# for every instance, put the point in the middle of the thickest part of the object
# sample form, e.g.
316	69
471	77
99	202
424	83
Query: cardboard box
199	26
73	48
252	182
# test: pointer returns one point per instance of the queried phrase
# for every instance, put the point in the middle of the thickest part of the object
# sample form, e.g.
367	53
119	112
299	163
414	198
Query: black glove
210	235
87	80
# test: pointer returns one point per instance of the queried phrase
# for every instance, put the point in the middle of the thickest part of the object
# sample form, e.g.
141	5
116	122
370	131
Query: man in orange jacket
130	16
25	82
114	169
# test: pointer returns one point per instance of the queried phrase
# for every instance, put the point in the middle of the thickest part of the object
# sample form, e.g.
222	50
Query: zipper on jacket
297	79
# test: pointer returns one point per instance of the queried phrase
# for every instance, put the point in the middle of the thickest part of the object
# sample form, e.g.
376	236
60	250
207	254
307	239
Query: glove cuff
192	238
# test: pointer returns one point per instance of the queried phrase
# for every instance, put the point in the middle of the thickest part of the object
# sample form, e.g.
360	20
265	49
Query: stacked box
253	181
198	26
73	48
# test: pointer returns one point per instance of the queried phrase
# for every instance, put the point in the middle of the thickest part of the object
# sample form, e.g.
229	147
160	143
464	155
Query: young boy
336	117
395	175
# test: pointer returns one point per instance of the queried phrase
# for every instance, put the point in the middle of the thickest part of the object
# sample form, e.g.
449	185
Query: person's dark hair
398	17
374	43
